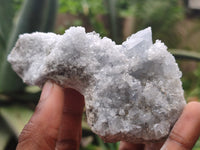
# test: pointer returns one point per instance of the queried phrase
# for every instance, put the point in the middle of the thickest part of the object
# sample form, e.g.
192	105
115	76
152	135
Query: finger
186	130
153	146
70	129
130	146
42	130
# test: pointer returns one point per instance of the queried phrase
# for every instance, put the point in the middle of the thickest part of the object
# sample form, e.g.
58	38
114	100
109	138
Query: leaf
184	54
5	134
49	16
112	9
2	43
36	15
112	146
101	143
16	117
6	17
197	145
32	89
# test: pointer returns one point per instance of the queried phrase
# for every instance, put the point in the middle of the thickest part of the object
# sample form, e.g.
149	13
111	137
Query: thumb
42	130
186	131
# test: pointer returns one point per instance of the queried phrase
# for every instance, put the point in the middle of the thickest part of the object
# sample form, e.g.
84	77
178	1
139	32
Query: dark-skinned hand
56	124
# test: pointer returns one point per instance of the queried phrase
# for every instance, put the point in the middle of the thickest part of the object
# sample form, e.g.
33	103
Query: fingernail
47	88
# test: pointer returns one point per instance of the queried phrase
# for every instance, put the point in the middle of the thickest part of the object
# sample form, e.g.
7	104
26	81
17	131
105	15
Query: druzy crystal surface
132	91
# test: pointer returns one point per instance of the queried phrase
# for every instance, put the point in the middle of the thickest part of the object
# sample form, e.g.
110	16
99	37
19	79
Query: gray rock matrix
132	91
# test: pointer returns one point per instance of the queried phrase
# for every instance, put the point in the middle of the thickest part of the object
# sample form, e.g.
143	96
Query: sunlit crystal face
132	91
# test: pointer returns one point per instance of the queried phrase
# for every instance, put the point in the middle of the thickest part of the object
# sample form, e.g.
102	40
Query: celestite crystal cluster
132	91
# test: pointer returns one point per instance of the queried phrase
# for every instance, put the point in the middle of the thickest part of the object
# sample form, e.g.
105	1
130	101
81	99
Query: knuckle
50	135
38	135
26	133
71	112
27	137
177	138
67	144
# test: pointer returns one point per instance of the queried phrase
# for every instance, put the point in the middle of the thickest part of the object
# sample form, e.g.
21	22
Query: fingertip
193	109
58	89
42	129
52	96
46	90
186	130
70	128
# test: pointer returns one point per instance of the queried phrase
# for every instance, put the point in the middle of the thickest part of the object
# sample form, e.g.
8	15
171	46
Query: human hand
56	122
183	136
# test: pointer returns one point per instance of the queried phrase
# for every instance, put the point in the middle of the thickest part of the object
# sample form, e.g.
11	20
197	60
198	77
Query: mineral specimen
132	91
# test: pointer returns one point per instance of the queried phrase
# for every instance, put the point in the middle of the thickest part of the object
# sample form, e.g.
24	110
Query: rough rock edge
64	71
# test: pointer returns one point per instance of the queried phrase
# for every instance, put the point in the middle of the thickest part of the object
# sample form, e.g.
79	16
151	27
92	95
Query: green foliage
81	7
186	55
6	26
6	15
16	117
5	134
195	89
90	9
36	15
160	15
107	146
153	11
17	4
112	9
197	145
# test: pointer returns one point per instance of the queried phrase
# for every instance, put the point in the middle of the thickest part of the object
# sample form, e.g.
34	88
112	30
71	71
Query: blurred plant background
175	22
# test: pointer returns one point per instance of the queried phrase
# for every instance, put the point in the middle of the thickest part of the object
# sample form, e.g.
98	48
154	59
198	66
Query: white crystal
132	91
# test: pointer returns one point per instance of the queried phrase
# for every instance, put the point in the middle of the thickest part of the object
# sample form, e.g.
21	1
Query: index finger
42	130
186	130
70	128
